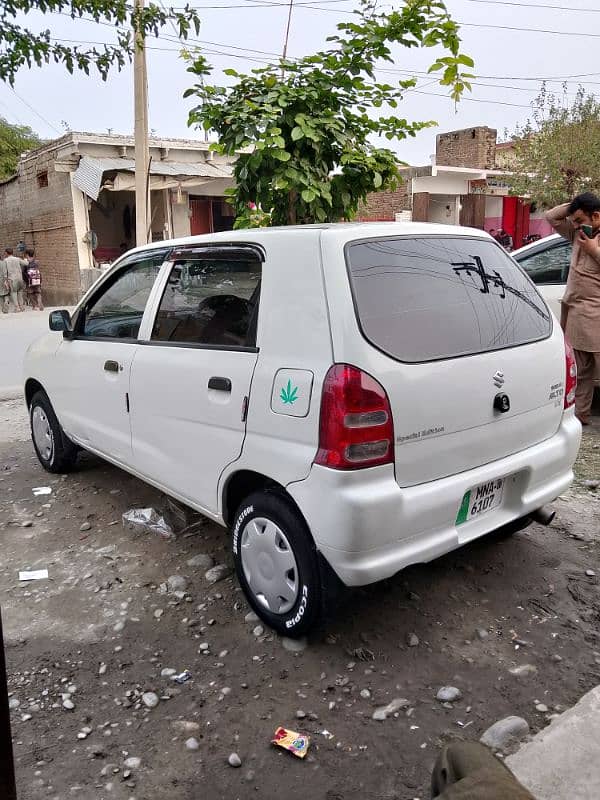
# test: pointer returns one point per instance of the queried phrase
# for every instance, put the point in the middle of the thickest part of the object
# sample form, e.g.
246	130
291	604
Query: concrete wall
471	147
442	183
180	215
42	216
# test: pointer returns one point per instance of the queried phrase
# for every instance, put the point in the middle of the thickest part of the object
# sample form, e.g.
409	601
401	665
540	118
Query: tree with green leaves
14	140
22	47
306	127
555	153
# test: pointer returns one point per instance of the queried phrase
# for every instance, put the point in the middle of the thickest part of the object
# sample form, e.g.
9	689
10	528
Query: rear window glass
442	297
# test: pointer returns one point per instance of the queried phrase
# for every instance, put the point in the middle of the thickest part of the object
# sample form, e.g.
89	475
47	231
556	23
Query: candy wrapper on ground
296	743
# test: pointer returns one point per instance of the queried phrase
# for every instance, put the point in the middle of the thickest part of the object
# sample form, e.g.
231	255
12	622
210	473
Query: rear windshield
442	297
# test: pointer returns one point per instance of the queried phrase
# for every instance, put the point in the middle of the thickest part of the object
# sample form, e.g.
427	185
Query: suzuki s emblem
498	379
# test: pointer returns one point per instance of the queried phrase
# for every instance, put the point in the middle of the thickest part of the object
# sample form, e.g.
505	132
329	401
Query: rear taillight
356	428
571	381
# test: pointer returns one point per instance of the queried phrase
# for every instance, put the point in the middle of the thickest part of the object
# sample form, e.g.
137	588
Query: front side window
438	297
550	265
210	302
117	312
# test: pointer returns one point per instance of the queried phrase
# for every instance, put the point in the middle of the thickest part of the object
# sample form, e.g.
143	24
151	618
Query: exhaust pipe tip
543	516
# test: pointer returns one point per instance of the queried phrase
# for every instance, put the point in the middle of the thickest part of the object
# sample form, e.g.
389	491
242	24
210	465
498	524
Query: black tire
308	609
61	455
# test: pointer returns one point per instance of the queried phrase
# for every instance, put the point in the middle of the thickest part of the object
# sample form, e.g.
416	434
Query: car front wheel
55	451
277	564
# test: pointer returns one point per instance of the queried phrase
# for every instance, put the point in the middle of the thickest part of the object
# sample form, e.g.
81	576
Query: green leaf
377	180
297	133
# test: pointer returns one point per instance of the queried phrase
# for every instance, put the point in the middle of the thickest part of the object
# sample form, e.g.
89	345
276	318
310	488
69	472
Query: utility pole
142	149
287	30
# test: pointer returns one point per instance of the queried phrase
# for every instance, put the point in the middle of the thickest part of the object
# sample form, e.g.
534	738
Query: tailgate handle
219	384
111	366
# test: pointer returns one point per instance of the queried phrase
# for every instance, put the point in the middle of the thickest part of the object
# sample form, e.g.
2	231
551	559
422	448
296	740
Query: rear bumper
368	528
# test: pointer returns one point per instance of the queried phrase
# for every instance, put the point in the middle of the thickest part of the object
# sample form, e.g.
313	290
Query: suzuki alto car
346	399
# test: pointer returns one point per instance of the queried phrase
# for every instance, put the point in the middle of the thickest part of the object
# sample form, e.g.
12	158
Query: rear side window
442	297
550	265
210	302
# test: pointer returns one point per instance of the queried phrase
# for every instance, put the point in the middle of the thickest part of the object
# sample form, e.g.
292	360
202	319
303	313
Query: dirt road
87	648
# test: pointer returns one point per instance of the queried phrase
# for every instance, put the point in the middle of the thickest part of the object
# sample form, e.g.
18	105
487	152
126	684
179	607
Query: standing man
13	270
34	281
579	222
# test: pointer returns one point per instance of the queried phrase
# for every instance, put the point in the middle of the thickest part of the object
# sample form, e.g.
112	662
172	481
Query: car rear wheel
55	451
277	564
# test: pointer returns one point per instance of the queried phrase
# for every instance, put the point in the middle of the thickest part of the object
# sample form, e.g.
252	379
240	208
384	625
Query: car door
548	268
93	365
190	380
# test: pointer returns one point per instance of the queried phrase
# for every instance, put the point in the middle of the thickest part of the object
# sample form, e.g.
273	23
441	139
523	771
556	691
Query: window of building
42	179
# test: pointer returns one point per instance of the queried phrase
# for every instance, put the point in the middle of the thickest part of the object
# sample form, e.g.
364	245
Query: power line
528	30
415	90
255	3
473	99
245	57
532	5
31	108
11	113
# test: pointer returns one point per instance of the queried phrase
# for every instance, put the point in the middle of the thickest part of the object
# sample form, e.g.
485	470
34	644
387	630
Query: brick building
73	200
384	206
464	185
472	147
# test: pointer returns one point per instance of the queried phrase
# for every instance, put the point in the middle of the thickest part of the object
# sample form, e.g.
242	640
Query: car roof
540	244
342	230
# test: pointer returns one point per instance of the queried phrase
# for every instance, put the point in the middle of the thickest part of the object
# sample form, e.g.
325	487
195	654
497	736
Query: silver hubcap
269	565
42	433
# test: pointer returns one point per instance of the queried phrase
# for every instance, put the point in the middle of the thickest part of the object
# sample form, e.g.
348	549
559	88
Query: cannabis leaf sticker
289	395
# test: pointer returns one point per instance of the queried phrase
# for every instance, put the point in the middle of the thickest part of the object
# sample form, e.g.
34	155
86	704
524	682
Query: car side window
210	301
550	265
117	312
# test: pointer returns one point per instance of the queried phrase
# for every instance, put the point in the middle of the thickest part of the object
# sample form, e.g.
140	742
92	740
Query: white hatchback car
346	399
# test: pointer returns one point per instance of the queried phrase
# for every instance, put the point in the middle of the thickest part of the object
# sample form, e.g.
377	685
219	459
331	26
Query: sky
514	43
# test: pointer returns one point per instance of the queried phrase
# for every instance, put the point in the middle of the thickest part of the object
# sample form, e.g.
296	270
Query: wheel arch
32	386
245	482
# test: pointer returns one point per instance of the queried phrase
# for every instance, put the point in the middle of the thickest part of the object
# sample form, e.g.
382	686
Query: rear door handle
219	384
111	366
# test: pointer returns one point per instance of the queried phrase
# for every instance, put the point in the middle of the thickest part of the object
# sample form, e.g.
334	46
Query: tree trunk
292	198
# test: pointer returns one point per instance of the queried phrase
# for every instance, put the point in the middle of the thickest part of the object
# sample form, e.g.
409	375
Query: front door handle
219	384
111	366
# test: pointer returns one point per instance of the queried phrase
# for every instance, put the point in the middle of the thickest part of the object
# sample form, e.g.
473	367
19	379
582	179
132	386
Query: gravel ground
91	650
